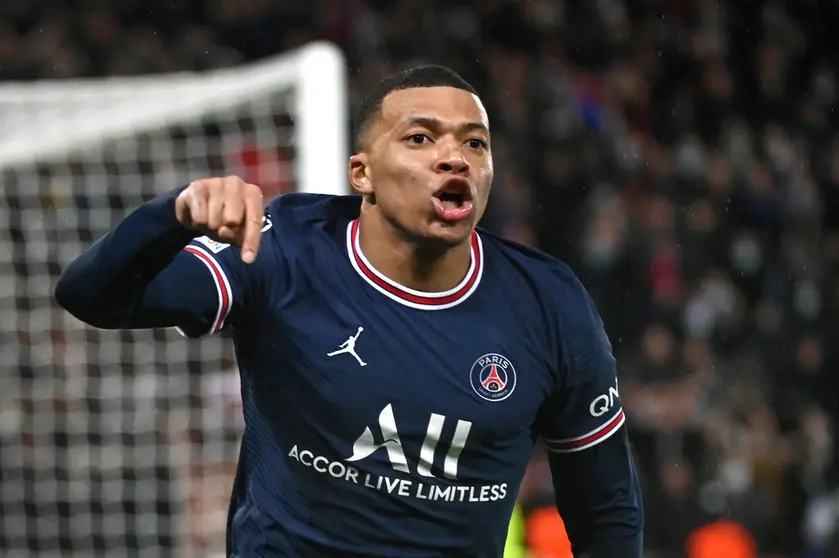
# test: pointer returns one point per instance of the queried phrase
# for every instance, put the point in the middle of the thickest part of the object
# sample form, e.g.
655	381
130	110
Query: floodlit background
681	155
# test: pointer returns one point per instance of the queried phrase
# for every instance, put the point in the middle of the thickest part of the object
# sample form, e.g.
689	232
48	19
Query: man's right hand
225	209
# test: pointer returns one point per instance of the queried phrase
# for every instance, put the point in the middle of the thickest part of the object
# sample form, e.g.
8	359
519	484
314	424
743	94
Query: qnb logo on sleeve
410	483
604	403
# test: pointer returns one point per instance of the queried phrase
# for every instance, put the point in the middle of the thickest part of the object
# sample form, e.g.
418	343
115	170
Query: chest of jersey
430	393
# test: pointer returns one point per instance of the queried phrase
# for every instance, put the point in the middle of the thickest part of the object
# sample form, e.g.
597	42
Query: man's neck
407	262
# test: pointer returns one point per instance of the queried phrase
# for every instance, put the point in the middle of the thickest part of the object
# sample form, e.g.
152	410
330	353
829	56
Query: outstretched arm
595	481
148	271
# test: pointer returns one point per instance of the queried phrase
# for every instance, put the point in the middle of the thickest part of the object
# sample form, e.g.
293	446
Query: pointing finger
252	224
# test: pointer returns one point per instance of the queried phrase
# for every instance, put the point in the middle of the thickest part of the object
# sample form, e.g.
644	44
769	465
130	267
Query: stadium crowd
681	155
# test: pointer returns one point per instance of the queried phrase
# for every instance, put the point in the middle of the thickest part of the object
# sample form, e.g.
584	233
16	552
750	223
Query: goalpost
124	443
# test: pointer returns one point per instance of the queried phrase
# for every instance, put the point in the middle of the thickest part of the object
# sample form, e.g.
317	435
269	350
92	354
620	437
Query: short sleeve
225	283
232	281
586	407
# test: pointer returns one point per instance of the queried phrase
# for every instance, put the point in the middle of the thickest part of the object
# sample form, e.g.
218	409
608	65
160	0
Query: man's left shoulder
556	282
573	322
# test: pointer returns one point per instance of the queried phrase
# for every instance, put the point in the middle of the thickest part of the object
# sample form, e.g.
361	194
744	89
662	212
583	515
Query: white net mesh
124	443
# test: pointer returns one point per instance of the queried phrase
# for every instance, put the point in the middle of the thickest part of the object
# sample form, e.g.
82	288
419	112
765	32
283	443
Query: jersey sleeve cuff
225	293
579	443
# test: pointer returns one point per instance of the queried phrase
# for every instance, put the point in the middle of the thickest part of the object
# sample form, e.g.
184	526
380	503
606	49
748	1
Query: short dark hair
419	76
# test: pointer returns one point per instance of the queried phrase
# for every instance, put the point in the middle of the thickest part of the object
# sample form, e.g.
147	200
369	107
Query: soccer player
397	363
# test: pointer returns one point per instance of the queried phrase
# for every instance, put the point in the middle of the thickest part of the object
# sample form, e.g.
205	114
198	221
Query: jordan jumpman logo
348	346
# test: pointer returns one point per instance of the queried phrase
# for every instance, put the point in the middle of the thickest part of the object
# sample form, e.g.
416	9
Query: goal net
124	443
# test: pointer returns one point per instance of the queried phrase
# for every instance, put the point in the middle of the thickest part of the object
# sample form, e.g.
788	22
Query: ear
359	173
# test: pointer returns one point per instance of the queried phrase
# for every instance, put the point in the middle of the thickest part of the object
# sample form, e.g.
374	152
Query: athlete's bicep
229	288
184	294
594	476
209	287
586	408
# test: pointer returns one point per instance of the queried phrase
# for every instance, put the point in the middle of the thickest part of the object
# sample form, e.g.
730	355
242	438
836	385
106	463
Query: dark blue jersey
383	421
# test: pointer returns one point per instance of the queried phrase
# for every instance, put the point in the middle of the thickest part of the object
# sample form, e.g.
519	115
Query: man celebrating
411	439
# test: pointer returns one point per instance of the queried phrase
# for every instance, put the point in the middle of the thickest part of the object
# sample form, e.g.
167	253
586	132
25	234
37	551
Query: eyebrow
436	124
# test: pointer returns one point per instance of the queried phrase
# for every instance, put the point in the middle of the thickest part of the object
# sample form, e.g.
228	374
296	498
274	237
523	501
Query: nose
452	161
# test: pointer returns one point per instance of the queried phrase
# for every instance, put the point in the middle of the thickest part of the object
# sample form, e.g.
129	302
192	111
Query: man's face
428	162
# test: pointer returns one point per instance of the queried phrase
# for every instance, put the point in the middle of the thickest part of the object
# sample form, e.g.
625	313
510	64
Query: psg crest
493	377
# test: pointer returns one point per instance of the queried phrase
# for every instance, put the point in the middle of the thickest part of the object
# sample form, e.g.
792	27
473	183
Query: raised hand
225	209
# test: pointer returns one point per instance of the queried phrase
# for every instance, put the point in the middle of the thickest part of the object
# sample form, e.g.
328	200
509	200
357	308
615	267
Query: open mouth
454	200
451	200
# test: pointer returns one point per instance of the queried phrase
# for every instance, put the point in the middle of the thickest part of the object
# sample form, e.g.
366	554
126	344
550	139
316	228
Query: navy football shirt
383	421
